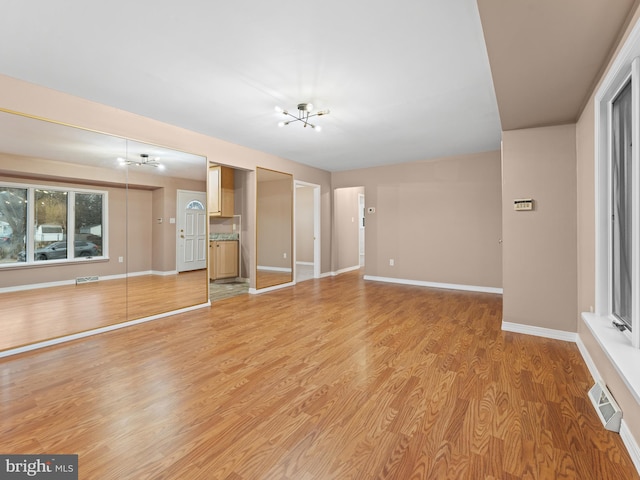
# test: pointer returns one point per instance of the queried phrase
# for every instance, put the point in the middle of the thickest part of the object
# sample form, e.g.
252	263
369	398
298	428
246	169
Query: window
13	223
617	218
195	205
621	207
44	224
51	223
618	198
88	218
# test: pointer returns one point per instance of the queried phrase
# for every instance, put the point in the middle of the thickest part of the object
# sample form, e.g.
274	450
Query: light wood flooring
31	316
335	378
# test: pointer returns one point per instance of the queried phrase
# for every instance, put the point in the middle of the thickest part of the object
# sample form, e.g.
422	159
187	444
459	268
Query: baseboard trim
345	270
447	286
631	444
95	331
273	269
257	291
540	331
36	286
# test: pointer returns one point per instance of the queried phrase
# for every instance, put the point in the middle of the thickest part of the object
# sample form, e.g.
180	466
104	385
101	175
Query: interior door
192	231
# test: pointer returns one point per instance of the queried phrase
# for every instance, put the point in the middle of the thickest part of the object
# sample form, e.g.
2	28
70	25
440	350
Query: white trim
35	286
345	270
304	263
618	349
273	269
631	444
165	274
256	291
96	331
448	286
635	201
101	278
539	331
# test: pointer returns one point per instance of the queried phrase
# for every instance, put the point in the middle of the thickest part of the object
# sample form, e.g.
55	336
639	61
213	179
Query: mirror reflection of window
13	223
50	225
88	221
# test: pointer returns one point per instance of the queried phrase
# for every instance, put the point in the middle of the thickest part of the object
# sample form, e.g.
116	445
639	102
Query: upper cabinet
220	191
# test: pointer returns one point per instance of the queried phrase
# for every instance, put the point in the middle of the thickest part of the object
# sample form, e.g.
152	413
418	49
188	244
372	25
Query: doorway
361	225
191	241
348	221
307	231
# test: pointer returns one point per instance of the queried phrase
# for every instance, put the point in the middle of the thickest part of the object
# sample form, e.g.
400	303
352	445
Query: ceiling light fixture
145	160
304	114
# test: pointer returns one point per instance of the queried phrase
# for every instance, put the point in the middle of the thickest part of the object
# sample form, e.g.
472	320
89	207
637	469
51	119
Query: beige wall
275	224
539	250
439	220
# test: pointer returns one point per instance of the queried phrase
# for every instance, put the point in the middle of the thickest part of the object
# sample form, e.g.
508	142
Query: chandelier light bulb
144	161
304	115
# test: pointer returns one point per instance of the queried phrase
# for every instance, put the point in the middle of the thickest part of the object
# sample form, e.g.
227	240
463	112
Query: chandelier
145	160
304	114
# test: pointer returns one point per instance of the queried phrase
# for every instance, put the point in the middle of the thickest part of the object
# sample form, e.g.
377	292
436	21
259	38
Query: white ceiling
404	80
84	147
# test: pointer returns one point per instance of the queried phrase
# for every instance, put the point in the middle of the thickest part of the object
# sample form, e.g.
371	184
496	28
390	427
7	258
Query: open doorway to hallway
348	221
307	231
361	225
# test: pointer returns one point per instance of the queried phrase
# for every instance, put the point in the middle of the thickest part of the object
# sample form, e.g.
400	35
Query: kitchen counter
223	236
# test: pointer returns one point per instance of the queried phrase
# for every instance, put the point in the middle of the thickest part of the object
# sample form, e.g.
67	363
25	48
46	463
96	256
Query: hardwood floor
31	316
268	278
335	378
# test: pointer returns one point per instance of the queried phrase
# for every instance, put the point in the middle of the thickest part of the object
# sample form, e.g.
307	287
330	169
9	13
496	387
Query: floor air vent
606	407
89	279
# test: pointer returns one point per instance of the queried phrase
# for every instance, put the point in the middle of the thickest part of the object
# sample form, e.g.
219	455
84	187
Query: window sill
617	346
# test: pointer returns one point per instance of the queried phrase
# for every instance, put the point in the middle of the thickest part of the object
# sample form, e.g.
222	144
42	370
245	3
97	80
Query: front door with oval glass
192	231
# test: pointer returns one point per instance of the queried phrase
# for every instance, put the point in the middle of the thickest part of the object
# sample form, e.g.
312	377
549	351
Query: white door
192	231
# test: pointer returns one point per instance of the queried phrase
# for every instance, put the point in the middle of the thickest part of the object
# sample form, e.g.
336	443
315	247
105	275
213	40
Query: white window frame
30	229
622	348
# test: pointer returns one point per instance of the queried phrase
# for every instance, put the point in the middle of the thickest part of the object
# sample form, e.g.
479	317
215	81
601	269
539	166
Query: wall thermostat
521	204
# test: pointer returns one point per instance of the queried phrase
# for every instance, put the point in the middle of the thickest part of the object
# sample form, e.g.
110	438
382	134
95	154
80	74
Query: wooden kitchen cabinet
223	259
220	196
